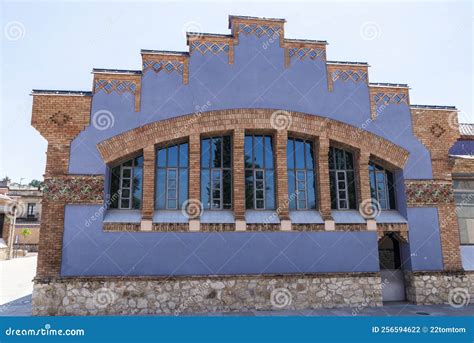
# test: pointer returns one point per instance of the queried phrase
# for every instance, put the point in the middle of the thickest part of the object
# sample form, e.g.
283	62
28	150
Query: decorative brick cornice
421	193
307	227
260	27
74	189
300	50
135	140
384	96
213	44
120	84
347	73
121	227
169	63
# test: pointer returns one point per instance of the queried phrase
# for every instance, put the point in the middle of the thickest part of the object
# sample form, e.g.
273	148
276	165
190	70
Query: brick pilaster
281	138
324	191
194	166
148	203
239	174
362	176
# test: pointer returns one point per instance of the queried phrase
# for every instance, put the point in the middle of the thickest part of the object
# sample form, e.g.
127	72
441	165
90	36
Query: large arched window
171	177
301	177
126	182
342	179
259	173
216	173
381	186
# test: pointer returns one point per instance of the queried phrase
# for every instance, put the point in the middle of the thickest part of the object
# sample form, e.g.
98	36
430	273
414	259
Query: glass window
259	173
342	179
301	180
126	182
382	188
216	173
464	198
171	177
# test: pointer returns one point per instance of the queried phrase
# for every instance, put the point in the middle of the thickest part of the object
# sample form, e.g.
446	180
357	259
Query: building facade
248	173
19	228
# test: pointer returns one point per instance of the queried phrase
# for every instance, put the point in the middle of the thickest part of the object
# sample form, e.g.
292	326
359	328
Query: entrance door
393	283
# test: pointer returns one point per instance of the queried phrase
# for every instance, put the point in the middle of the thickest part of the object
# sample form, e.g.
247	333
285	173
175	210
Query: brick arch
157	132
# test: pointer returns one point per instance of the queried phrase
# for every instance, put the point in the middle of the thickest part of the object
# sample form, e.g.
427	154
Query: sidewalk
16	278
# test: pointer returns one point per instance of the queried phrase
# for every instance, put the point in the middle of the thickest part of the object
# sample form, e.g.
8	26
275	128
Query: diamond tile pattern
312	53
75	189
349	75
259	30
391	98
119	86
214	47
166	65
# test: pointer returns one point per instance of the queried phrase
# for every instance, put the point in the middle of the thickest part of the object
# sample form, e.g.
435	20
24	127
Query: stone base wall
181	295
3	254
454	288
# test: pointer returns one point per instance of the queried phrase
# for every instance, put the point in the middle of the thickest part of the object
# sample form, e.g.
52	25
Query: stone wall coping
163	278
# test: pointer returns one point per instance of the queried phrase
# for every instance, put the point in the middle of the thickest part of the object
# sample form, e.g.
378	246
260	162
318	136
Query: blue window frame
216	173
301	174
382	187
342	179
126	184
259	173
171	177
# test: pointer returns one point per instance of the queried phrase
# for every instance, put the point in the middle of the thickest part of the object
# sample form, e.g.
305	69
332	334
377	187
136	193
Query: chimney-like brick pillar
239	179
281	139
148	197
194	176
324	191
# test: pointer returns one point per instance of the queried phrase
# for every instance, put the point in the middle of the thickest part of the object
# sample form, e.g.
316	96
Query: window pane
205	189
332	183
391	191
126	172
349	161
227	152
162	157
227	189
173	156
340	159
332	165
309	155
137	187
258	151
248	152
310	186
373	191
183	155
249	189
205	153
126	193
299	154
183	186
270	190
114	187
216	152
352	190
161	189
268	152
125	203
290	154
291	190
172	204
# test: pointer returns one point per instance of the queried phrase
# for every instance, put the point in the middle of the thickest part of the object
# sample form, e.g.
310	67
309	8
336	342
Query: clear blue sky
55	45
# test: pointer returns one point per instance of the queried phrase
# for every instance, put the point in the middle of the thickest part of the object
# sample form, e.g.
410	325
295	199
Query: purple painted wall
257	79
424	239
88	250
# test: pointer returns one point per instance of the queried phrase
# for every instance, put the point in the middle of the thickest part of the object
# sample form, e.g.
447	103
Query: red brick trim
135	140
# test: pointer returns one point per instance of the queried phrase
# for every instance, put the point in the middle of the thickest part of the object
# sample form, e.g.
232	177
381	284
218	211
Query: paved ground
16	277
15	299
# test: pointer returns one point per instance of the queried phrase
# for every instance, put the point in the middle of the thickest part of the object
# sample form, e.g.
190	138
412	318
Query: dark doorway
393	283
